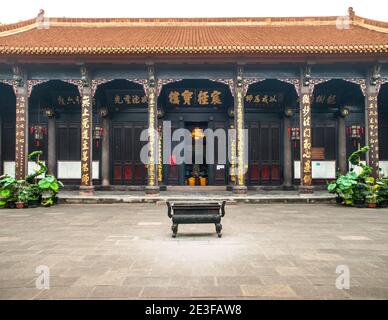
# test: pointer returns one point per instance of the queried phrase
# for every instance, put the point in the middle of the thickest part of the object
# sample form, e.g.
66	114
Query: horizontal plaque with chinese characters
127	98
188	97
66	99
263	100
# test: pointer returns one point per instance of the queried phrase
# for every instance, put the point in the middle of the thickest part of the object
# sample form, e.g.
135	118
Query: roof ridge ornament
42	22
351	13
375	76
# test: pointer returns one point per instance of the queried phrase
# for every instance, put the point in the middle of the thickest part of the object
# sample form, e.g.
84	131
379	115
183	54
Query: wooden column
239	187
105	150
21	124
306	91
51	145
86	187
152	187
372	129
287	159
341	143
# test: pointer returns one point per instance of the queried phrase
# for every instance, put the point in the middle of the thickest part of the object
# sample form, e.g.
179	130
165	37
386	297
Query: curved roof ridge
107	22
64	36
17	25
371	24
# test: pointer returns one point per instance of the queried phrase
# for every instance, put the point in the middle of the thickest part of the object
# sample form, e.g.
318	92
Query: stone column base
105	187
306	189
240	189
152	190
288	187
86	190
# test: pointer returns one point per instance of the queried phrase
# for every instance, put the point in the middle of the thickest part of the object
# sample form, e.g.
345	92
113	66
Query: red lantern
38	133
98	134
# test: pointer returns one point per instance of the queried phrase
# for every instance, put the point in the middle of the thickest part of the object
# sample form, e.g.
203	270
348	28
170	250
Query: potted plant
360	191
21	194
382	193
8	187
372	192
371	201
49	187
343	187
33	195
4	196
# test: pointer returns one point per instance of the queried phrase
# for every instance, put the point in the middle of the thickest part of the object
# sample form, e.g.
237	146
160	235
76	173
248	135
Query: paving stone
115	292
165	292
216	291
145	281
125	251
19	293
320	292
65	293
275	291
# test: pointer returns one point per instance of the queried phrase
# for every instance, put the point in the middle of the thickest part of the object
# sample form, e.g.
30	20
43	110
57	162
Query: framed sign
126	98
264	100
189	97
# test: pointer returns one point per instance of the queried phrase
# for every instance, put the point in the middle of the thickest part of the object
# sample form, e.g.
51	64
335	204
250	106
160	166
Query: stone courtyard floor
268	251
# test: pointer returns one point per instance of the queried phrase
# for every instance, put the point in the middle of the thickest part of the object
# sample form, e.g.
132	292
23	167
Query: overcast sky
16	10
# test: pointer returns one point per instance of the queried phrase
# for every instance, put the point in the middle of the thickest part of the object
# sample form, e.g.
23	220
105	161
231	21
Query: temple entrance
197	173
197	105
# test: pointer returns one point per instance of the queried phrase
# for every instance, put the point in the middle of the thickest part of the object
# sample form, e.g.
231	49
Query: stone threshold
110	197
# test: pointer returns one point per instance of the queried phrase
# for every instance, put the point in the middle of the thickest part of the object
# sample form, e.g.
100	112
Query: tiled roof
306	35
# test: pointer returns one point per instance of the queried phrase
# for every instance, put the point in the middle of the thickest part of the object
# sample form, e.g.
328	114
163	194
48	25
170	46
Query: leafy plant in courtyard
35	156
49	186
359	188
382	193
8	188
36	188
343	186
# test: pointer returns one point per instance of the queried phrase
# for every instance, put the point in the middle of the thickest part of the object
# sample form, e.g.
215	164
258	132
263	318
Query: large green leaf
54	186
331	187
44	184
369	180
5	193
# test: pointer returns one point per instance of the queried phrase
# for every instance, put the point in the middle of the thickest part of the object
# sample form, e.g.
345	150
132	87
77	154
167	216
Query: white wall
72	170
9	167
320	169
66	169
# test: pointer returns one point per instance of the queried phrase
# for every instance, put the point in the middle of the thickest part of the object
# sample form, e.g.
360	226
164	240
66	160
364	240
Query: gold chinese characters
85	140
189	97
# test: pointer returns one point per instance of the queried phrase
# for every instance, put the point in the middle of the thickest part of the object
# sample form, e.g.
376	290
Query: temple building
309	91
